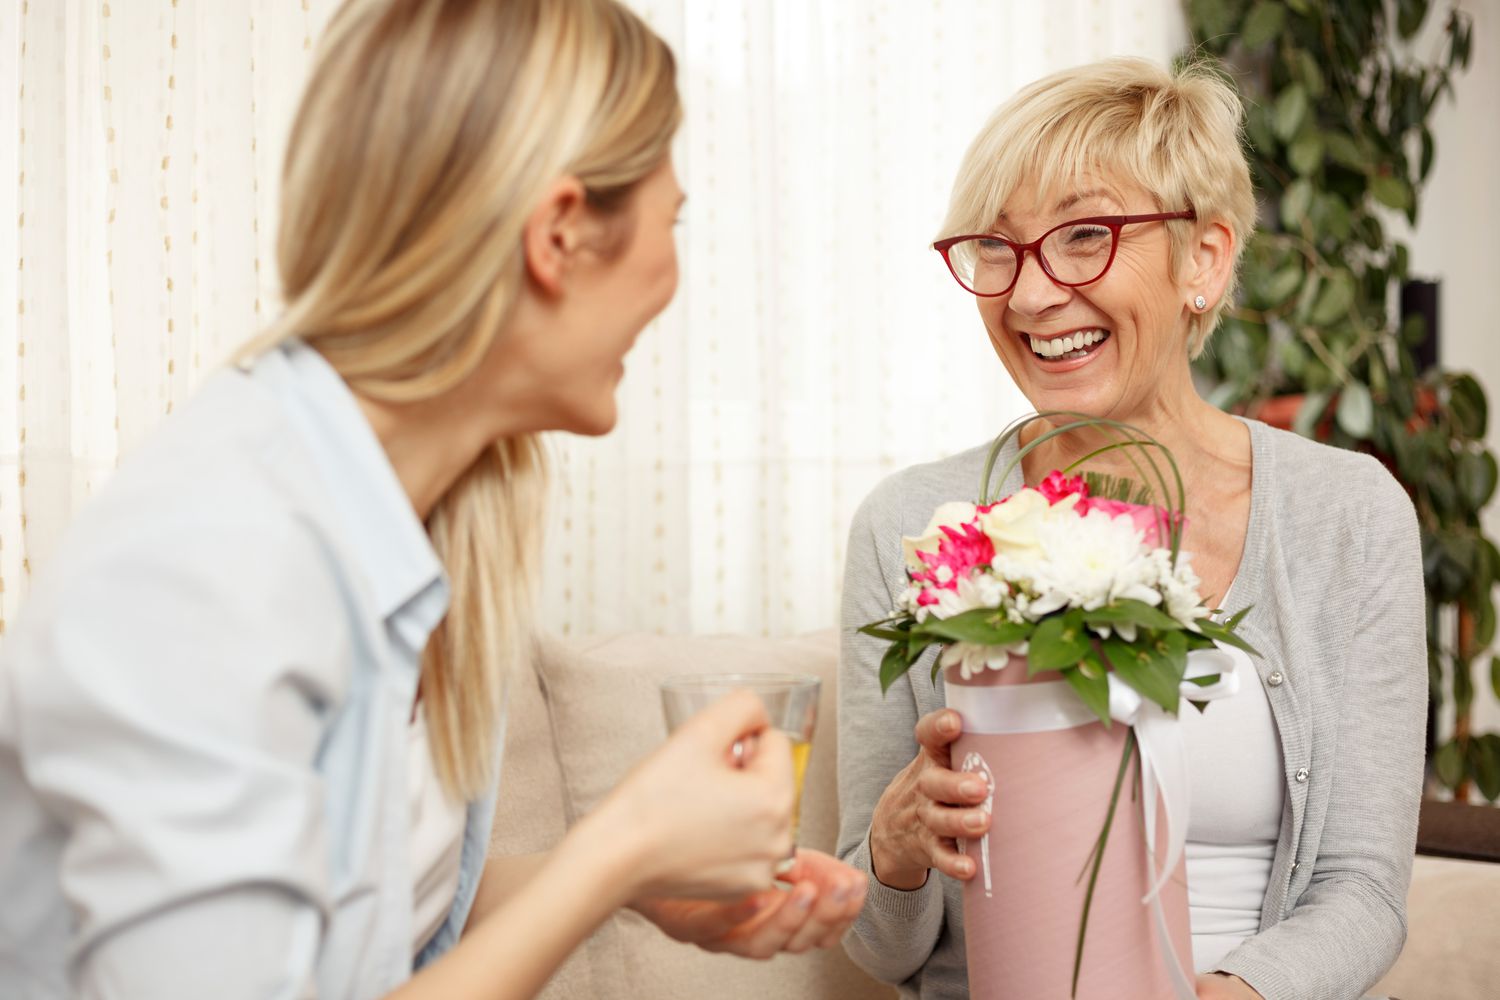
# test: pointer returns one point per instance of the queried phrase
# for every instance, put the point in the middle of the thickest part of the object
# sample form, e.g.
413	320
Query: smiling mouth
1079	344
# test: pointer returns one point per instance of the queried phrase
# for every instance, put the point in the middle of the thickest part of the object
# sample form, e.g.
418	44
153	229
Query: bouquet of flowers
1080	576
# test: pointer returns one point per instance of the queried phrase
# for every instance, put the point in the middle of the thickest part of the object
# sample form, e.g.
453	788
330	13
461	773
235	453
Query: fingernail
841	894
969	789
948	724
973	821
804	900
965	866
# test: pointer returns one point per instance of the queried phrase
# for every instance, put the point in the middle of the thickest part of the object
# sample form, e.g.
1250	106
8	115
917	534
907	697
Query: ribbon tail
1160	742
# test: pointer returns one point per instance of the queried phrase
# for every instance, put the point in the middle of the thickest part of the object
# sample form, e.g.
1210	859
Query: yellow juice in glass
801	754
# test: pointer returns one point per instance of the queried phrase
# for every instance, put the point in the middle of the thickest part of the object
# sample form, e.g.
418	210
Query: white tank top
437	834
1237	794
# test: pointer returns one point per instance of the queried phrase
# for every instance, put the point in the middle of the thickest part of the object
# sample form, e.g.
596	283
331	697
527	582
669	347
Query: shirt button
1296	865
1275	679
1301	774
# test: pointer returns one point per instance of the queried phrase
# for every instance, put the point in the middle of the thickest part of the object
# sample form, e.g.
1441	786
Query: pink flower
1058	487
1150	521
961	551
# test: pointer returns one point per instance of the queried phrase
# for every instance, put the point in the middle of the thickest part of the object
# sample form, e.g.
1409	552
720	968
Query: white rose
949	515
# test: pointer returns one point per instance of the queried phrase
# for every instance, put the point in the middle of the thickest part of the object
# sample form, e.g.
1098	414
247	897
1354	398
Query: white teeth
1071	346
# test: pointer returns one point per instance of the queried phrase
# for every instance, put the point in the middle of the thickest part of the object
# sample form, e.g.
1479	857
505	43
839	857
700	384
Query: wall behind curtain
816	343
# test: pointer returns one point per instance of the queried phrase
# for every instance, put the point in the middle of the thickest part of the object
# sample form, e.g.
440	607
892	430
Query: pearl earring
1200	303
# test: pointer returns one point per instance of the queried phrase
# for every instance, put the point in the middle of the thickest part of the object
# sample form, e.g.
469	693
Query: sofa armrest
1457	830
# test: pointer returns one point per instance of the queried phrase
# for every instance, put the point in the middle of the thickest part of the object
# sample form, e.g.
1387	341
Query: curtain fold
816	343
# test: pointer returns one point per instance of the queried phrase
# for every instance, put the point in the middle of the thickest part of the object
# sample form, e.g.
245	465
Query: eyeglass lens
1075	254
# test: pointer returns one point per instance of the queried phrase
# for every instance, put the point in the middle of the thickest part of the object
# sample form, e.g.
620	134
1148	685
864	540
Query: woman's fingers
936	730
956	788
950	823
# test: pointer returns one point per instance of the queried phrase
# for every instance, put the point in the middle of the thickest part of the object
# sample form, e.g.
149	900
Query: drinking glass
791	702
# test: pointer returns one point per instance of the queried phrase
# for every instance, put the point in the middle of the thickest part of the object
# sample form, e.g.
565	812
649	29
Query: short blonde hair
1174	133
427	133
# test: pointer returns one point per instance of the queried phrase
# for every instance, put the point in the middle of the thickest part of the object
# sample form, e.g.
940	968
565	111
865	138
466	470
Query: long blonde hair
1174	133
428	131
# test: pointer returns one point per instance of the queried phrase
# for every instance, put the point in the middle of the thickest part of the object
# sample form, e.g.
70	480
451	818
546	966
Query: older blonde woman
1097	220
251	721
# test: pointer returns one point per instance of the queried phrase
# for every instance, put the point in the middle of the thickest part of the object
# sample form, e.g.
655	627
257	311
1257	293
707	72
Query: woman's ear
1210	264
554	232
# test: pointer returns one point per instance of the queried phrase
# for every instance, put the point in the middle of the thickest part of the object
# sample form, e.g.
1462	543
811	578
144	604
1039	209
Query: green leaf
1334	300
1138	612
1470	409
1391	192
1343	150
1306	153
1093	690
1463	685
1495	675
1476	476
1484	619
1428	151
1058	642
1263	24
1280	286
1310	413
888	634
1291	109
1484	764
1238	617
982	626
1449	764
1356	412
893	665
1220	634
1147	670
1295	203
1409	17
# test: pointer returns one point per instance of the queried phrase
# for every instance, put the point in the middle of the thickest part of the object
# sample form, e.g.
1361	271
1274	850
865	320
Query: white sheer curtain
816	343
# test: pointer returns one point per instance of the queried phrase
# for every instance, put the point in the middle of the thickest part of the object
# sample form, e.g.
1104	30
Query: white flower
973	659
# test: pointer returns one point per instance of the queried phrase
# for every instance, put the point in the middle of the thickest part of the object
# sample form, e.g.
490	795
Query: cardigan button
1275	679
1301	774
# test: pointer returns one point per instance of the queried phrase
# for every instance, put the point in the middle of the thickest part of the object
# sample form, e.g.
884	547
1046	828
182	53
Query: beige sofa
591	708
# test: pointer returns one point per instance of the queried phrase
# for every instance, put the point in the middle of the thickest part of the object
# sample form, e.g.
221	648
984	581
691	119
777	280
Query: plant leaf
1295	203
1218	633
1484	764
1138	612
1263	24
1093	690
982	626
1146	670
1495	675
1310	413
1356	412
1058	642
893	665
1449	764
1291	109
1391	192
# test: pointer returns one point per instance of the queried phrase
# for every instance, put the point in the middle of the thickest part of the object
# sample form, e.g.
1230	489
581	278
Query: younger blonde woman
251	722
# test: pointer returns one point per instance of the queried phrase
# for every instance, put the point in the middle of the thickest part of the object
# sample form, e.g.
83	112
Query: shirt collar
374	514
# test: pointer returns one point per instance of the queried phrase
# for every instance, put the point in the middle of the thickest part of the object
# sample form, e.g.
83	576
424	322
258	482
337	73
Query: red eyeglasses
1072	254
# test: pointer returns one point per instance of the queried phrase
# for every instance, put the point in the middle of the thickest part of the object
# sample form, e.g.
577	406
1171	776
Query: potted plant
1338	123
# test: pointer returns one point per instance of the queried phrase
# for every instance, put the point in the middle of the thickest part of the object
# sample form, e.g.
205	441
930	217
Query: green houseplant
1338	123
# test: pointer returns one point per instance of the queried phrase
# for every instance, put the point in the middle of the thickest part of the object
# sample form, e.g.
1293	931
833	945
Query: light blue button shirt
204	710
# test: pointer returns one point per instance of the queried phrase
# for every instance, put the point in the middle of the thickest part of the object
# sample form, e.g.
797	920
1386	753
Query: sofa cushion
1452	910
604	703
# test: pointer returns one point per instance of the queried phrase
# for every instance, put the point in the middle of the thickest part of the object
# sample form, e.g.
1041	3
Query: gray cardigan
1332	564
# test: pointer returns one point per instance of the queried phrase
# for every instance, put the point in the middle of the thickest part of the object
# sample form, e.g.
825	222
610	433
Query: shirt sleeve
171	693
896	931
1348	927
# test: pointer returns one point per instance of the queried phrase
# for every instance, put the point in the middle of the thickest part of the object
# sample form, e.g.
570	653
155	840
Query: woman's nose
1035	292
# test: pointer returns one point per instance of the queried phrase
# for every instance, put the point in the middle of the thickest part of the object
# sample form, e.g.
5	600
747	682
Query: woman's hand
925	808
824	897
1223	986
698	824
